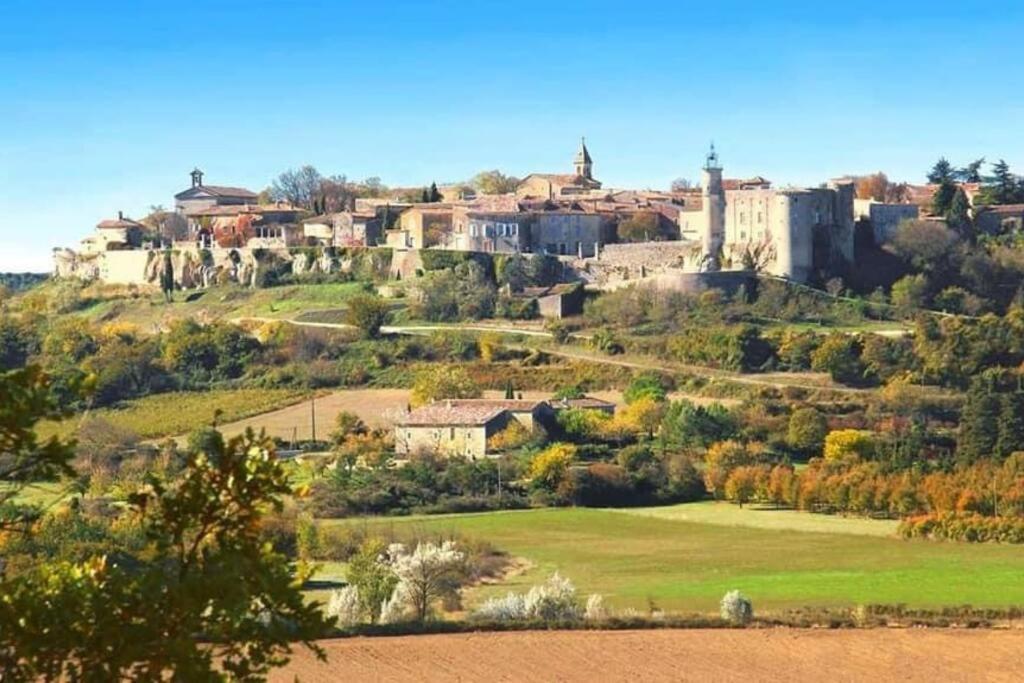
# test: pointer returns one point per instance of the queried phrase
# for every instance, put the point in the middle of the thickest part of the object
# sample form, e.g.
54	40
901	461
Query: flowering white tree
426	574
553	600
737	608
344	606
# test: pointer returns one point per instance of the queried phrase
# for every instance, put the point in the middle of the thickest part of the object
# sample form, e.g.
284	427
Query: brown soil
672	655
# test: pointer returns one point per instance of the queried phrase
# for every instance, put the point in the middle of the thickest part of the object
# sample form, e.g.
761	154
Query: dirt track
687	655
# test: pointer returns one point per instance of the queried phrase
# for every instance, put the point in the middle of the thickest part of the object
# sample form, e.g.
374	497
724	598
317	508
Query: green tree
372	577
1011	424
942	199
941	172
641	227
839	356
25	459
204	571
494	182
1002	187
979	421
167	277
910	293
807	430
368	312
971	173
646	385
959	214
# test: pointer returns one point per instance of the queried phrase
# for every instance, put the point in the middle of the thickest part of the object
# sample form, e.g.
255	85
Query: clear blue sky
108	107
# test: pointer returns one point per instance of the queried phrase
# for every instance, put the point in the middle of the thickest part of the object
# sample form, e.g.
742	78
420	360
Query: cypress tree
167	277
509	392
979	422
1011	424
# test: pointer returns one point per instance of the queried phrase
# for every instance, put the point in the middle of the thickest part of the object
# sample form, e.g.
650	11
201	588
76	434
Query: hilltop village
684	238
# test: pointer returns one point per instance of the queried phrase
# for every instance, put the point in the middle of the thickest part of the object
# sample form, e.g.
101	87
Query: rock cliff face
195	268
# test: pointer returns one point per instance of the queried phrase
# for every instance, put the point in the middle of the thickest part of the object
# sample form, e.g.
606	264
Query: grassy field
635	559
223	302
764	517
162	415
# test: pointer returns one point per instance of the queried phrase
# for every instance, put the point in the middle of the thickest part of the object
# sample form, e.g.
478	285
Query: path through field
784	655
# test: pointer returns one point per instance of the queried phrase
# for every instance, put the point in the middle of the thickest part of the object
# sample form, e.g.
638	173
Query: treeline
988	488
18	282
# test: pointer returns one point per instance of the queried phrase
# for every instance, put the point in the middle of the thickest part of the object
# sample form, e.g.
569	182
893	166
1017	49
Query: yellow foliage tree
550	467
846	443
435	383
512	436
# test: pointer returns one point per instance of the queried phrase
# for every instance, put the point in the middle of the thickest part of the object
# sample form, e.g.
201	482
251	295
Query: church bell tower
583	164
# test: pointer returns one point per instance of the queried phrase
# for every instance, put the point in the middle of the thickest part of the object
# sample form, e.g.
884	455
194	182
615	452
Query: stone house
114	234
421	226
201	196
271	224
994	220
461	427
884	218
489	231
344	229
567	232
449	430
557	301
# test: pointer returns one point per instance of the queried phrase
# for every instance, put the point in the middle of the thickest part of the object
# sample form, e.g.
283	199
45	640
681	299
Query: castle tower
712	210
583	163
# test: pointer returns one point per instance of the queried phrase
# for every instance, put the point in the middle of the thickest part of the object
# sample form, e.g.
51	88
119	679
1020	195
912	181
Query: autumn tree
549	468
438	382
874	186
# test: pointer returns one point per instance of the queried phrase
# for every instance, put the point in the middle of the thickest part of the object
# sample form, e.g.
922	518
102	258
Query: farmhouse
450	429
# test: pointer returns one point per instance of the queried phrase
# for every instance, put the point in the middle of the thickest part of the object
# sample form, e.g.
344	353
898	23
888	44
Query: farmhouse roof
446	414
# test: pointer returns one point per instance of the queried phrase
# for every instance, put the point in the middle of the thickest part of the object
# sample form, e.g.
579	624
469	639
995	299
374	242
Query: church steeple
197	177
583	163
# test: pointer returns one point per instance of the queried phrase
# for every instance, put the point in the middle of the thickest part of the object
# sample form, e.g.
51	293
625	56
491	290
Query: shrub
345	607
367	312
553	601
736	608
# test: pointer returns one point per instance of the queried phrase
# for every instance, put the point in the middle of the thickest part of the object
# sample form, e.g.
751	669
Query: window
451	432
743	218
760	217
515	229
472	229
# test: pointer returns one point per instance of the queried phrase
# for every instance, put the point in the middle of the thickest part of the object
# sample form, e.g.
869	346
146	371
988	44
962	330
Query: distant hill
21	281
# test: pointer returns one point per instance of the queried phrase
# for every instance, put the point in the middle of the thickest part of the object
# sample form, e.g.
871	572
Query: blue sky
107	107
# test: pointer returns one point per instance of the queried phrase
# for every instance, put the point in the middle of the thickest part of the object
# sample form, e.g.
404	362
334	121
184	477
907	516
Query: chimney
120	216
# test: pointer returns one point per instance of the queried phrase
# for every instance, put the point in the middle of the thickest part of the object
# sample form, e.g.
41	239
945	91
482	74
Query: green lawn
171	414
688	566
764	517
